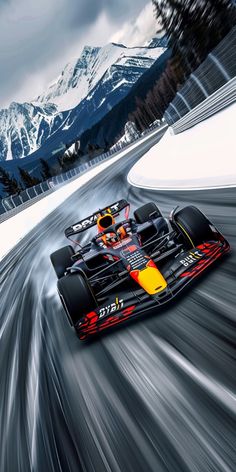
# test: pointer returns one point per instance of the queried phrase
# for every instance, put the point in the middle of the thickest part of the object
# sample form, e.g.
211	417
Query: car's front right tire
76	295
143	213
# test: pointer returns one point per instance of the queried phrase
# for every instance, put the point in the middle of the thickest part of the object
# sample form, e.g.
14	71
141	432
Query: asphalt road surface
155	395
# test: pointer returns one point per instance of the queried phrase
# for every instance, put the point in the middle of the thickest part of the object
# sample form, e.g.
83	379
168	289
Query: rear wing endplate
91	220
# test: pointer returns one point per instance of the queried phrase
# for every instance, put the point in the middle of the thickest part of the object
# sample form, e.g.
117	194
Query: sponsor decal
106	310
87	222
93	218
114	208
122	243
192	257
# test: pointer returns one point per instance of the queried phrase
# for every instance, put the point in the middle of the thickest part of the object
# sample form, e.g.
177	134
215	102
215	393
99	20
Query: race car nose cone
150	279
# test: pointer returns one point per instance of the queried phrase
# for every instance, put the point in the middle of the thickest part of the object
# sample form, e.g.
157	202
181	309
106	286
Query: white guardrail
224	96
12	205
220	99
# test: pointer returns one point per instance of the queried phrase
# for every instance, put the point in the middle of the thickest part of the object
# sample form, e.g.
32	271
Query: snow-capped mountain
80	76
158	42
86	90
24	127
73	83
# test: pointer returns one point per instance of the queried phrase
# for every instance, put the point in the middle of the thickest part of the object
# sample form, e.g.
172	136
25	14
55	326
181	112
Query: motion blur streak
157	394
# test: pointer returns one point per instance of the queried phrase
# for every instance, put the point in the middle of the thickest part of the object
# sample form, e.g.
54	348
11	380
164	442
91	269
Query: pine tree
10	184
195	27
223	16
60	164
46	172
27	179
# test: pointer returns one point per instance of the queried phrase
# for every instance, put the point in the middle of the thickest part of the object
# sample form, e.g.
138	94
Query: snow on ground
16	227
201	157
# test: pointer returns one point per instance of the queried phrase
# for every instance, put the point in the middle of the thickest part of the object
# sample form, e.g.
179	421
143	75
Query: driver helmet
104	221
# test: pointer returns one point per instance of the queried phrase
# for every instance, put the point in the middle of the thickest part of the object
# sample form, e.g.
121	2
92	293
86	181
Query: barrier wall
14	203
213	74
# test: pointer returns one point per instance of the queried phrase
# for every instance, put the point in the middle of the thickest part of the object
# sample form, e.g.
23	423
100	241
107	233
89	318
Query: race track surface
155	395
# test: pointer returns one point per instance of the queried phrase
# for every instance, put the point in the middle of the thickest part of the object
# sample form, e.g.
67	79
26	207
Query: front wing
124	305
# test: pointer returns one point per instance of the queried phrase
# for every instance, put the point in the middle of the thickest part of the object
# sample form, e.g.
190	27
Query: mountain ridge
87	88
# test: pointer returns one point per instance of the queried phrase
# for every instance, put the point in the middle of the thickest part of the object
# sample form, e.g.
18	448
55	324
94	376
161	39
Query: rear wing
91	220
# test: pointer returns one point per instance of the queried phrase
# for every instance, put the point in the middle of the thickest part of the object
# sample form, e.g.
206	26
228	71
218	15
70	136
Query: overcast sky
38	37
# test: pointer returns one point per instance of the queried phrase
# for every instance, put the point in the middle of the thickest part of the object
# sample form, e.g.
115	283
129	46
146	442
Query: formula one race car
133	265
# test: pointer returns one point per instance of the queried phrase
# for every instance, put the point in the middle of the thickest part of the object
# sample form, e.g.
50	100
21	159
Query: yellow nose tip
150	279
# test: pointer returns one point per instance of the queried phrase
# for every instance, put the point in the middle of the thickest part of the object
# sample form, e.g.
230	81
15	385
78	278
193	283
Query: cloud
138	31
39	78
37	38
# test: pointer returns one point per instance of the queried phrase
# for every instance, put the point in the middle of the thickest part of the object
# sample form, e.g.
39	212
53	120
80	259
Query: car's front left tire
76	295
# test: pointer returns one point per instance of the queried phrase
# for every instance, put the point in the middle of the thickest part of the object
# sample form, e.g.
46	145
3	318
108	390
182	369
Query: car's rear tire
142	214
76	295
193	225
61	259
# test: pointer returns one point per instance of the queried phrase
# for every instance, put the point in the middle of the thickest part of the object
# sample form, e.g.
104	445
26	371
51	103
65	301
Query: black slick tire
193	225
61	259
142	214
76	296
